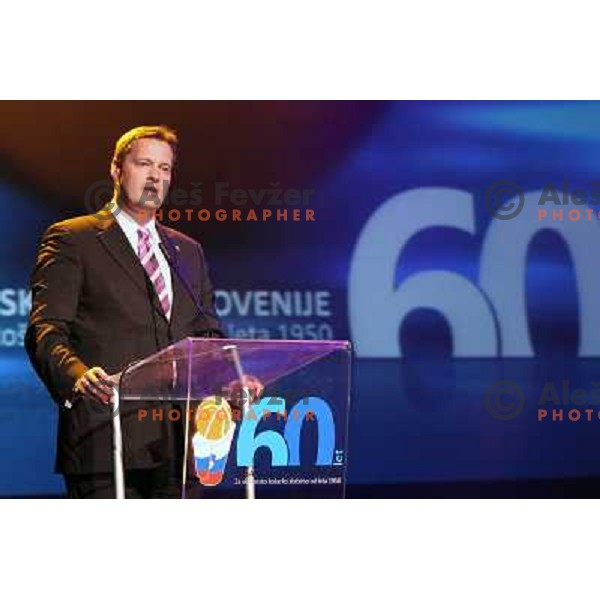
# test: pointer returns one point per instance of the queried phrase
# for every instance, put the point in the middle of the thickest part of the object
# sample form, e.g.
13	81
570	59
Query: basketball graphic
213	418
212	439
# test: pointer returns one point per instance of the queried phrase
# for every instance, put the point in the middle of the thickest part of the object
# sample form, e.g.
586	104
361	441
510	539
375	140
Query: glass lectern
240	440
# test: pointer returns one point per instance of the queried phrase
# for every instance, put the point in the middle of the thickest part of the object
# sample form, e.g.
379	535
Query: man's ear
115	172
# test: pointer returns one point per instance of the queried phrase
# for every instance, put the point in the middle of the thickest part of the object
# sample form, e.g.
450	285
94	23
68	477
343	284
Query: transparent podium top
201	366
277	409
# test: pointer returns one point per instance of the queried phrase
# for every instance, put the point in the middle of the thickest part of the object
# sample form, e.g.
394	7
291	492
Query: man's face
145	174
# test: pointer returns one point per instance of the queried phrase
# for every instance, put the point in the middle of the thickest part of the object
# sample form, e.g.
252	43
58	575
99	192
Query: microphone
209	333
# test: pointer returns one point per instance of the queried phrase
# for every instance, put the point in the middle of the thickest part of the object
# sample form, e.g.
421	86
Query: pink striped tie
150	264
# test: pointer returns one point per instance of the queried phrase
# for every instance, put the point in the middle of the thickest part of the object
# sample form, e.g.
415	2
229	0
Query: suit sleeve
211	326
55	288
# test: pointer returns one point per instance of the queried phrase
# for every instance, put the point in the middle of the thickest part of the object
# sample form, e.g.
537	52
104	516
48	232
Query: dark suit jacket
93	304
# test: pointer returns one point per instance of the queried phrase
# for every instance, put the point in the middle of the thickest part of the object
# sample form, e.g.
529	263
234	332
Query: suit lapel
114	240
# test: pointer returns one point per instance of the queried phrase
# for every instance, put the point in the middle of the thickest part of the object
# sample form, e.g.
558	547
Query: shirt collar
130	226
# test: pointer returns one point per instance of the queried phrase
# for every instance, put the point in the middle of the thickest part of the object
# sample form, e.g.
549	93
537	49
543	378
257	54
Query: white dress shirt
130	229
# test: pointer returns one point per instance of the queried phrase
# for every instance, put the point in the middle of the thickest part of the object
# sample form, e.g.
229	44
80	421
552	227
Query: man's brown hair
157	132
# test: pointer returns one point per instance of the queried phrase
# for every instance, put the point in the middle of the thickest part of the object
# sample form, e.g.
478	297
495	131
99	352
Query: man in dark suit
103	295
